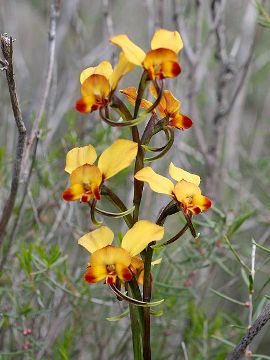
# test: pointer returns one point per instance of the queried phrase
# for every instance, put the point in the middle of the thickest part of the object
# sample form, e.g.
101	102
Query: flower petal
122	68
94	274
133	53
140	235
161	63
167	39
86	104
136	264
131	94
97	86
73	193
185	192
117	157
86	174
203	202
104	68
97	239
172	104
123	272
79	156
180	121
110	255
179	174
157	183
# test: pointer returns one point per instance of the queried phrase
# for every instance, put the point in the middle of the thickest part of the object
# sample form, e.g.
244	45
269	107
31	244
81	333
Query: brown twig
258	324
7	50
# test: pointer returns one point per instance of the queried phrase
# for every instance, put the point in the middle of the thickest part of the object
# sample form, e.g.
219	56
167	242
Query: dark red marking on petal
85	198
68	195
187	122
96	193
81	106
176	69
90	278
196	210
126	274
110	279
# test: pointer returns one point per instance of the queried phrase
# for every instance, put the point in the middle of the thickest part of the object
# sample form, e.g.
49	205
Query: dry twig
7	50
258	324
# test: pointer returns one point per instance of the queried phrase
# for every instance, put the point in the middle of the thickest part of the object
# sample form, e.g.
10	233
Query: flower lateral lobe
190	197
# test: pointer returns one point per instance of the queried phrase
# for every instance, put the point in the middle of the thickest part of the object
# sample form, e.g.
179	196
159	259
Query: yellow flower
109	262
86	178
99	82
169	106
186	192
161	61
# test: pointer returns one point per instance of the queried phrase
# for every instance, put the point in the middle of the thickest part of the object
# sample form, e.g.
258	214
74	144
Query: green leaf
118	317
227	297
238	222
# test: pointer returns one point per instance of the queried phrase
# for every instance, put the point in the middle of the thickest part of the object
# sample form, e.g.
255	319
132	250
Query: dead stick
258	324
7	50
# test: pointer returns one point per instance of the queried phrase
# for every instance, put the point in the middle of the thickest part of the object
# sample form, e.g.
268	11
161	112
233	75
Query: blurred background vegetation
47	311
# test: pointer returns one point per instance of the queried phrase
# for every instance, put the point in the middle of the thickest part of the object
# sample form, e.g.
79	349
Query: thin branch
54	14
258	324
7	50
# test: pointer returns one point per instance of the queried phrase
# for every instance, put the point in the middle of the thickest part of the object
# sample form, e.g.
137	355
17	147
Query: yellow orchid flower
99	82
161	61
168	106
109	262
86	178
186	192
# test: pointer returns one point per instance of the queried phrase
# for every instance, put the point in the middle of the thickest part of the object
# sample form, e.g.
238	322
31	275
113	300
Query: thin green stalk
118	203
170	209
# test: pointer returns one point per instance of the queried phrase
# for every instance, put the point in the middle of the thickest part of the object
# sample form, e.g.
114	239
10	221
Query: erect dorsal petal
117	157
140	235
97	239
133	53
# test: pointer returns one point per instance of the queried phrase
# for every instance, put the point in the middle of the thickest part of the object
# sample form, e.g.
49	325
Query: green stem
136	336
136	320
170	209
118	203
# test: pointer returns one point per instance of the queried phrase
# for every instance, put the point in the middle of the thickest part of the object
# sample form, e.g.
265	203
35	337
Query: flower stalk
128	265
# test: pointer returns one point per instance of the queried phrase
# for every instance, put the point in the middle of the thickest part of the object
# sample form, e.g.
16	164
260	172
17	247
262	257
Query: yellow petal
110	255
122	68
131	94
117	157
73	193
140	235
86	104
80	156
161	63
202	202
94	274
180	121
104	68
86	175
179	174
157	183
167	39
136	264
97	86
97	239
123	272
133	53
172	104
